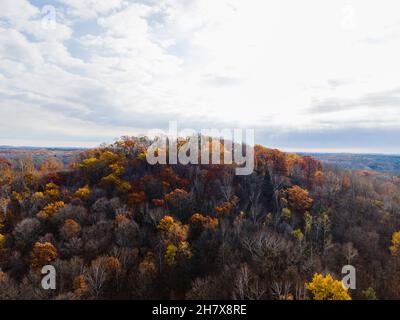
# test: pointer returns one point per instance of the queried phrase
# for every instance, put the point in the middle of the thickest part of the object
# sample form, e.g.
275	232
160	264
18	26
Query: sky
305	75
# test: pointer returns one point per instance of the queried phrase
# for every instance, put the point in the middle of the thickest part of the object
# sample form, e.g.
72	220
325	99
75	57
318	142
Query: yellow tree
52	190
3	251
2	241
174	236
326	288
82	193
394	248
51	209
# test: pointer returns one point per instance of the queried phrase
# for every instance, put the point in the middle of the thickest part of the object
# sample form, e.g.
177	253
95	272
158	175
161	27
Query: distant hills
352	161
39	148
356	161
39	154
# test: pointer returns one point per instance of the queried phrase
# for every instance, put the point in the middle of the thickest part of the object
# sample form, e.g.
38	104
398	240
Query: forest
116	227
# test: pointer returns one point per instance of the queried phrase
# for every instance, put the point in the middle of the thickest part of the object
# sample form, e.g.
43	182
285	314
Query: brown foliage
299	199
42	254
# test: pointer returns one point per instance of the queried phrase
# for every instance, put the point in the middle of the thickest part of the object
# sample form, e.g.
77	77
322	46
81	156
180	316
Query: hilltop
353	161
115	226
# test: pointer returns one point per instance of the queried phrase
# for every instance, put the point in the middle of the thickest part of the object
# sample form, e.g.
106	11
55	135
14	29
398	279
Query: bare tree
281	289
350	252
96	276
226	186
262	244
247	286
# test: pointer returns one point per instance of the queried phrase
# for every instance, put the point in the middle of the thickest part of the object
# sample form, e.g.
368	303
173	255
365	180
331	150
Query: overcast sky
306	75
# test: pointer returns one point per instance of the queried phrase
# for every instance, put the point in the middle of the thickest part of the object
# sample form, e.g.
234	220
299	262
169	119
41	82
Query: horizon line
283	149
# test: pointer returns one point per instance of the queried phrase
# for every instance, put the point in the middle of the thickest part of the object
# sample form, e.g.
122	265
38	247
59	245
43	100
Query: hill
114	226
38	155
354	161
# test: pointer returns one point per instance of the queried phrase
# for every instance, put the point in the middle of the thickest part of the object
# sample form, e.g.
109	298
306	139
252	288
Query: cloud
14	46
119	66
17	12
374	109
89	9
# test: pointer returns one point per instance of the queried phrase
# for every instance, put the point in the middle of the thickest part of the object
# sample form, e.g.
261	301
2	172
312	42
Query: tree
136	199
200	222
173	231
271	160
170	254
350	252
298	235
173	237
286	213
4	164
52	191
49	210
82	193
394	248
3	251
224	208
299	199
2	241
247	237
26	232
42	254
369	294
113	181
80	285
51	165
310	167
127	233
326	288
70	229
101	269
247	286
177	199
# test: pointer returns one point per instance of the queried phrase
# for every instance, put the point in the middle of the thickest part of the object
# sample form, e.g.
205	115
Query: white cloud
17	11
14	46
123	64
88	9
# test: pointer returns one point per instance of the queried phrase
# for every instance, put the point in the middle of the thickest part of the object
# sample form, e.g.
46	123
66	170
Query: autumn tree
82	193
3	251
52	191
201	222
42	254
51	165
299	199
326	288
51	209
271	160
310	167
70	229
395	243
174	238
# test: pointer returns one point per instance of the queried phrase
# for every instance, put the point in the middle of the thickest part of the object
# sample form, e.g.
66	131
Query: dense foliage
116	227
